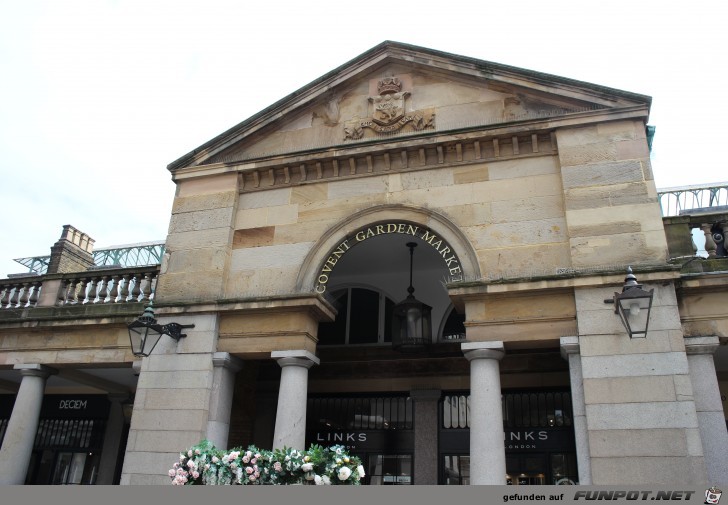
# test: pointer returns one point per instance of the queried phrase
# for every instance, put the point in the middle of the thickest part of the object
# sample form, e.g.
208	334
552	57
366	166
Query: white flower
360	471
318	480
214	459
189	453
326	480
307	467
338	451
344	473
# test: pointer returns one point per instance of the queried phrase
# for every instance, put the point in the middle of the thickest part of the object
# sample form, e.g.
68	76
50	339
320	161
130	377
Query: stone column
221	397
426	453
20	434
711	419
570	352
290	430
112	440
487	449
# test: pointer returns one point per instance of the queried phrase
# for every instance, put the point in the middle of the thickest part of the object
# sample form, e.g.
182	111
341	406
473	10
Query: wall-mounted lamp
633	305
144	332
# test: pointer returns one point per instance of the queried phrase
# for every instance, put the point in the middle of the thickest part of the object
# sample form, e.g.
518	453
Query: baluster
86	286
14	298
710	245
73	291
63	292
33	300
147	288
103	288
26	294
124	288
153	285
5	300
137	290
114	288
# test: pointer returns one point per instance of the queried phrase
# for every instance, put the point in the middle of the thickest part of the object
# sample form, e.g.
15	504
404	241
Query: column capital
226	360
295	358
35	370
569	345
483	350
701	345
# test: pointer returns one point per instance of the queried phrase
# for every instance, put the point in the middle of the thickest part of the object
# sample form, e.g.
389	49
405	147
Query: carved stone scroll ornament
389	112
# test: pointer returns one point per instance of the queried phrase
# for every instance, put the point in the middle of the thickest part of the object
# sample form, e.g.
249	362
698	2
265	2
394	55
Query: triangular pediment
396	90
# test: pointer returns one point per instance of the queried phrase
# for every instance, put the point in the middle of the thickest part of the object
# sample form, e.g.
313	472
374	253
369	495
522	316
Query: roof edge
488	66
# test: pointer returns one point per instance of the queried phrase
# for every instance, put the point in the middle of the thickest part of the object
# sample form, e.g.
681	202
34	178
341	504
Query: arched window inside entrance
372	275
364	317
453	327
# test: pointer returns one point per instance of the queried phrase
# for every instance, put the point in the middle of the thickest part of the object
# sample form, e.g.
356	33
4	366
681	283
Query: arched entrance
364	394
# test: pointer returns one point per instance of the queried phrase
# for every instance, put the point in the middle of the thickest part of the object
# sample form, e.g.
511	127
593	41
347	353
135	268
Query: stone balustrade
20	292
97	286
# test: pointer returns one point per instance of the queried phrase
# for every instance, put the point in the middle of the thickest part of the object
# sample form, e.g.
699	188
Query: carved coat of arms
389	112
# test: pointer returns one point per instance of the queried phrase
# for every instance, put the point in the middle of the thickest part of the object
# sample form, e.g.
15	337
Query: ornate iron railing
133	255
679	200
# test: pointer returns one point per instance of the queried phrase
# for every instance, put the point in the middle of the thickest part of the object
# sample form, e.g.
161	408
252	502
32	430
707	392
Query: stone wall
641	417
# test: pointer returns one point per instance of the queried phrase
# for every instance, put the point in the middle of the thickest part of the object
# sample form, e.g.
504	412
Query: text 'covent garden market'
460	270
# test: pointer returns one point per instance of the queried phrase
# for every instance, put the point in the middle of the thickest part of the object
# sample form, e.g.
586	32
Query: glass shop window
364	317
390	469
457	469
75	468
563	469
360	413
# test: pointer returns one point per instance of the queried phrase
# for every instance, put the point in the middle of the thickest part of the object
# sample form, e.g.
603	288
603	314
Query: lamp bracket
174	330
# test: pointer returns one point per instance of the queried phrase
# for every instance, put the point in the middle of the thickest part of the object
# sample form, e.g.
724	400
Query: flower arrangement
204	464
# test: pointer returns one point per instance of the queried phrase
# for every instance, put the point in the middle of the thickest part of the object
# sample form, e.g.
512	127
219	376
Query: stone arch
423	217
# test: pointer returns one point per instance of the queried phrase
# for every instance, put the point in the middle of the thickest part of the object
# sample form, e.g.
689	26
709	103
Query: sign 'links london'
389	112
425	234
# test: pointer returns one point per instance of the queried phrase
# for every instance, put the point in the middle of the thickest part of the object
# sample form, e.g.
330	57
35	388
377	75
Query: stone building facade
526	195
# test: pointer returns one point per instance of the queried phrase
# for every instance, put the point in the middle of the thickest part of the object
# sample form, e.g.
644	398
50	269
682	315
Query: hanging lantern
411	319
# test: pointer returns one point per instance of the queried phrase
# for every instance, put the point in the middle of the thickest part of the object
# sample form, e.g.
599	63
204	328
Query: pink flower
197	451
252	478
189	453
253	461
196	475
277	466
246	460
172	473
248	470
257	455
249	454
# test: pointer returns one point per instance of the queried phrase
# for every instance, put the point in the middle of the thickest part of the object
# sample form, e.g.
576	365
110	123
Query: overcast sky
97	97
